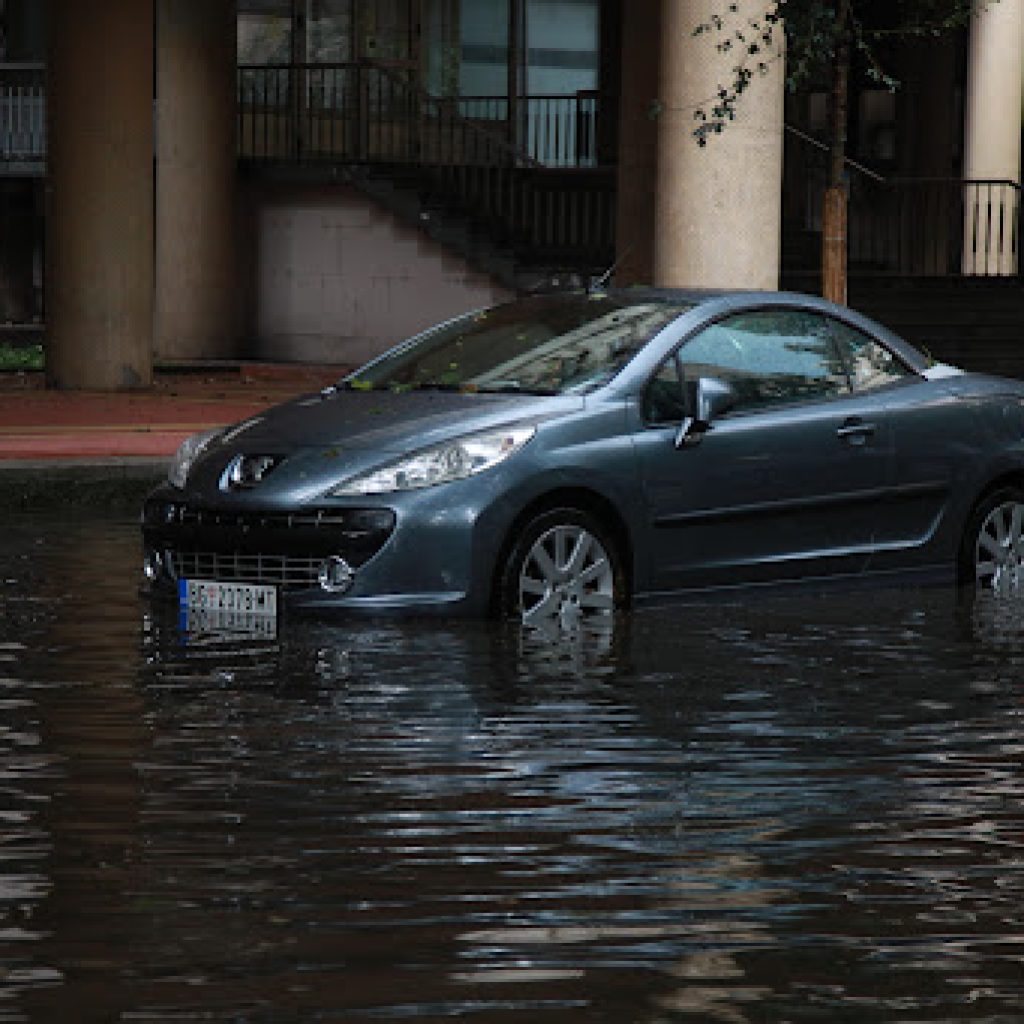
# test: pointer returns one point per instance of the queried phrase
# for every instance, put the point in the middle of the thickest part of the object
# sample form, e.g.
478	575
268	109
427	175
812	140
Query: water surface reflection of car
564	455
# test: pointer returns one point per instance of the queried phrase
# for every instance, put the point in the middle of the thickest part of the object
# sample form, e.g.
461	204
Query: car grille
285	549
354	523
287	571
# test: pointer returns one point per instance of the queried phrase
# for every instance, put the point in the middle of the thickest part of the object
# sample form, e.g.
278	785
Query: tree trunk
835	205
833	244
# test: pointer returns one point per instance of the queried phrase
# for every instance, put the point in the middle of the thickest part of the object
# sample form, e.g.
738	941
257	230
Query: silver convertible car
564	455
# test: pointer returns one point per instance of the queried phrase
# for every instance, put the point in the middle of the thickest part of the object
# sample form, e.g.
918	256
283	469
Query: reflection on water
800	808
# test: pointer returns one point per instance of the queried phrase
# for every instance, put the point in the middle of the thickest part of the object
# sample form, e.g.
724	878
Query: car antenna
598	283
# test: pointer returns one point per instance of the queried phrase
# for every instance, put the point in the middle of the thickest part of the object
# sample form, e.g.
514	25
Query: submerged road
773	810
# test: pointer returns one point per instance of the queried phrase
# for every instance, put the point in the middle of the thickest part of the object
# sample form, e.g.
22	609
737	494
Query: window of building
329	31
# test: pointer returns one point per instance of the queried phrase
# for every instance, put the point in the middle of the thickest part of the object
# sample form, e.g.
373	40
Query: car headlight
441	464
188	451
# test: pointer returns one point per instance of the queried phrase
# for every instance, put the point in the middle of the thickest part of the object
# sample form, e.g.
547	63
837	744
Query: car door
938	448
788	483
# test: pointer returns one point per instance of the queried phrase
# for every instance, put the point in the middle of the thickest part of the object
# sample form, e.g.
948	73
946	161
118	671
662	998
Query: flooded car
563	455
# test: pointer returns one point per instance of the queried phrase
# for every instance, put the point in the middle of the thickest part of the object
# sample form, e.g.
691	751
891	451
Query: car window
663	399
769	357
869	364
555	344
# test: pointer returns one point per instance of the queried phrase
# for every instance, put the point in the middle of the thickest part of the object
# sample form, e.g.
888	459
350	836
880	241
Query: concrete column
99	253
638	143
197	306
718	208
992	129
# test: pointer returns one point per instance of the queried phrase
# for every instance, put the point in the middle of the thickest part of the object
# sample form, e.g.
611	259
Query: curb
114	485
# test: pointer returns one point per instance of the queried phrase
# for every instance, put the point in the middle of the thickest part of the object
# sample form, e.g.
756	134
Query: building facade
325	176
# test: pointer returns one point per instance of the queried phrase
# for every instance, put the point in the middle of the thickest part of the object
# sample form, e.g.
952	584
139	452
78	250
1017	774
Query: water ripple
786	809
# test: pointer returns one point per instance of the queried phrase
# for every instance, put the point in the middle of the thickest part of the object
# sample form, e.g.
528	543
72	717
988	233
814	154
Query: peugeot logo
245	471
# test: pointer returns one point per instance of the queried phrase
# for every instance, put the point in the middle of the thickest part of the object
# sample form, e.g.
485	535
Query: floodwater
802	808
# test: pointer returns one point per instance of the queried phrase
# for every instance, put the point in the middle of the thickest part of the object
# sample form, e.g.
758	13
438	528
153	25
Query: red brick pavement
37	424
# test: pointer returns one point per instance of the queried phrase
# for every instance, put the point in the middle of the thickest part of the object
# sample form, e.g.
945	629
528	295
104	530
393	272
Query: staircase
976	323
458	179
526	227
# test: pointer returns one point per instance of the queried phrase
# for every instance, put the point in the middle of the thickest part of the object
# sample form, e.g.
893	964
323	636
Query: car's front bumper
425	552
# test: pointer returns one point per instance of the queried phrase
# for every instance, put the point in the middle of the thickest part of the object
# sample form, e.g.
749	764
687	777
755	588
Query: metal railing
556	130
358	110
358	113
908	227
22	113
365	115
936	227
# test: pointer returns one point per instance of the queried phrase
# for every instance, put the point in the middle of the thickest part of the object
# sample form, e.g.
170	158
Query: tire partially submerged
992	555
563	569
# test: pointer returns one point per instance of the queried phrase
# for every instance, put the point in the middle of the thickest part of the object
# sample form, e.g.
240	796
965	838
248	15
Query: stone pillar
718	208
992	129
638	144
197	305
99	252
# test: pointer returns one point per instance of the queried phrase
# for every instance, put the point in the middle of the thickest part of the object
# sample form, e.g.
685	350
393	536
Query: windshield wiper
435	385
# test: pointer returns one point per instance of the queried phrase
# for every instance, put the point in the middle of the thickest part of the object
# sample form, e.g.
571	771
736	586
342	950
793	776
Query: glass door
329	31
560	79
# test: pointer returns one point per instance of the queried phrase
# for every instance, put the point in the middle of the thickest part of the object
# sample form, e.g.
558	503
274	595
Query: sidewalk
42	427
61	448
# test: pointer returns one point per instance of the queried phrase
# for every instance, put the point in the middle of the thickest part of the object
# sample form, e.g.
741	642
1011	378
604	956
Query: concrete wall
334	278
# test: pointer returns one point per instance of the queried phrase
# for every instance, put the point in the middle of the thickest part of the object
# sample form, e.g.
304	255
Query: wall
336	279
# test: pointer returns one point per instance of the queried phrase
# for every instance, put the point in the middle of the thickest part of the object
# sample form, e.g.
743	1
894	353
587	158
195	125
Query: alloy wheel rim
999	550
566	577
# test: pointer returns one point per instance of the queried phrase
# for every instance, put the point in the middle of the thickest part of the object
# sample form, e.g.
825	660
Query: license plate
229	607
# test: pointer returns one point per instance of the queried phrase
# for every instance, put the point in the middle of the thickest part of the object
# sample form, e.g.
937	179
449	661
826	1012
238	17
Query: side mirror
706	399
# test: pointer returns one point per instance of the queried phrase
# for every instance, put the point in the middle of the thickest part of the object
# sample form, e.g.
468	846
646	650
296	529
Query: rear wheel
992	554
563	569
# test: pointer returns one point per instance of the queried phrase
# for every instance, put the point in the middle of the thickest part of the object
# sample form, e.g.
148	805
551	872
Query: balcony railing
356	111
22	114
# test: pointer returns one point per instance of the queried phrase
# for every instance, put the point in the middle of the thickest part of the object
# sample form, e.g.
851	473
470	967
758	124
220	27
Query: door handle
856	431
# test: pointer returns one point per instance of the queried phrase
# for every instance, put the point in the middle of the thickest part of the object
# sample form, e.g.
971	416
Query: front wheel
562	569
992	554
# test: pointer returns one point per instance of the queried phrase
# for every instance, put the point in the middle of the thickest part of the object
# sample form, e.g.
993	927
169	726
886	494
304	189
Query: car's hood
316	440
384	421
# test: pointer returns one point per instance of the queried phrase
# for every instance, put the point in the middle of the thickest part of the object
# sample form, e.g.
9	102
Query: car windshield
549	345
